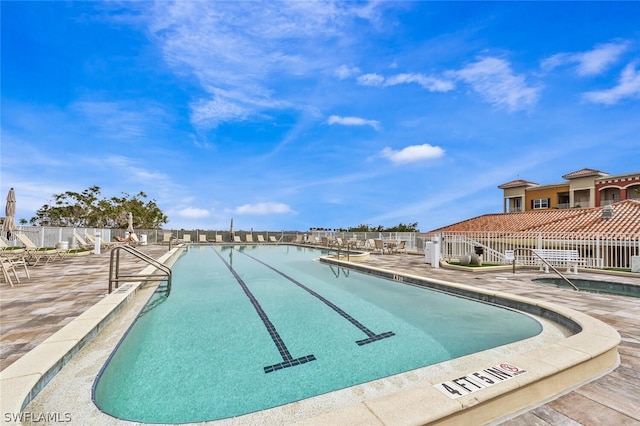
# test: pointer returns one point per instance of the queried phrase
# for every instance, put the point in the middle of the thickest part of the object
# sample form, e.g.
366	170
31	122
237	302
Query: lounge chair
400	247
103	243
166	238
82	243
236	239
261	238
186	238
36	254
272	239
202	238
379	246
298	239
249	238
219	238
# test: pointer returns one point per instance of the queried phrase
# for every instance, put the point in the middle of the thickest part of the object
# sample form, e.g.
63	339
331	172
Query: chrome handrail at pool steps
114	268
546	262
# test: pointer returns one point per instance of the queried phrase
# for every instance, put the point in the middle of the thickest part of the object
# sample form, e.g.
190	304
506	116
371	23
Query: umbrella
231	228
130	221
9	224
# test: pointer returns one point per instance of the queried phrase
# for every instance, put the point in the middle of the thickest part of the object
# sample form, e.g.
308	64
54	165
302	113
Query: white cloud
353	121
234	49
628	87
494	80
192	213
371	80
343	72
432	84
413	153
592	62
263	209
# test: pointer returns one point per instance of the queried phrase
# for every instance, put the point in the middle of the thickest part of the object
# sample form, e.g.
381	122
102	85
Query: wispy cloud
353	121
432	84
628	87
413	153
263	209
343	72
592	62
496	82
235	49
192	213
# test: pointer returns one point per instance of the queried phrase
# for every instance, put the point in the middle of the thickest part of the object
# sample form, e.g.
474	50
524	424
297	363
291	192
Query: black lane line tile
288	360
371	336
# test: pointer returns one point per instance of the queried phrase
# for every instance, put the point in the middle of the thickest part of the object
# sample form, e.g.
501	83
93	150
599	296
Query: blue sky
291	115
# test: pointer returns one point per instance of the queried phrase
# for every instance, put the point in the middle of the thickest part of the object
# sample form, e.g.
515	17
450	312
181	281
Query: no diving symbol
509	367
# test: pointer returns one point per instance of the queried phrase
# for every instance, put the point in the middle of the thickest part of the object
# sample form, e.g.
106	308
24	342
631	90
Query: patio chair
166	238
379	246
103	243
272	239
82	243
35	254
202	238
236	239
249	238
186	238
7	269
219	238
261	238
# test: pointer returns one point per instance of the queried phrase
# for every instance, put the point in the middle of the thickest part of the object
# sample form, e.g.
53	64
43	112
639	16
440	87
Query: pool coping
21	381
551	370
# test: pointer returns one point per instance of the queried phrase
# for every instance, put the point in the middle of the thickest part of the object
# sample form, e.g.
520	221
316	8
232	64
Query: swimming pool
596	286
253	327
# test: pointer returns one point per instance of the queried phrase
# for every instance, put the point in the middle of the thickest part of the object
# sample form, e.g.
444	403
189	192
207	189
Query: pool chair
236	239
34	254
379	246
218	238
249	238
186	238
103	243
272	239
166	238
202	238
261	238
9	264
82	243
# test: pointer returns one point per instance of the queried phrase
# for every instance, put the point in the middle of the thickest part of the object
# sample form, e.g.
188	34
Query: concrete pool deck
59	292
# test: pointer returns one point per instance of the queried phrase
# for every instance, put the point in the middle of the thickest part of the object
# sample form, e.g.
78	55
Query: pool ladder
114	269
546	262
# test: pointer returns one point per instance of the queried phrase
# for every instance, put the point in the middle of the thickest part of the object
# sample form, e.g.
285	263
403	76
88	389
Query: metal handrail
545	261
114	268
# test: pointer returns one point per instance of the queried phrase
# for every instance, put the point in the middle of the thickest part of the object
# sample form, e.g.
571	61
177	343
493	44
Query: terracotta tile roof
583	173
516	184
625	219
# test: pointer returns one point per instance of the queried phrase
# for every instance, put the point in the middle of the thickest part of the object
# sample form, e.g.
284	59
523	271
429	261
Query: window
540	203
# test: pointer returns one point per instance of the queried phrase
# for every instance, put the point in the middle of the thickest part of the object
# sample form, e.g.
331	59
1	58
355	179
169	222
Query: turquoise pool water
254	327
595	286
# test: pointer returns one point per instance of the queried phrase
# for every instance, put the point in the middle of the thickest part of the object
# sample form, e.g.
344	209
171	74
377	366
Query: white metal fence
602	250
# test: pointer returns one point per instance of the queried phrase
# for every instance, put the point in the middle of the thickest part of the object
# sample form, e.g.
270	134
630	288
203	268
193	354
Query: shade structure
9	224
130	222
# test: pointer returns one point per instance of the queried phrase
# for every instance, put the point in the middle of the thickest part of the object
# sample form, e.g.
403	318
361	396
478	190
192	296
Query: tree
85	209
412	227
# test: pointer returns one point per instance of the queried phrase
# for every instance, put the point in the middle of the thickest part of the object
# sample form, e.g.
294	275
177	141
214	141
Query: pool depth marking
372	337
287	359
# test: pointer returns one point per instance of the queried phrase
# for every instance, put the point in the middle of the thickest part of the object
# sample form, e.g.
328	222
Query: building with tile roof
621	217
581	189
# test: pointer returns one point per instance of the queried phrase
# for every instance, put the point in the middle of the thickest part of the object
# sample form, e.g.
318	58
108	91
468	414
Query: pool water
595	286
254	327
